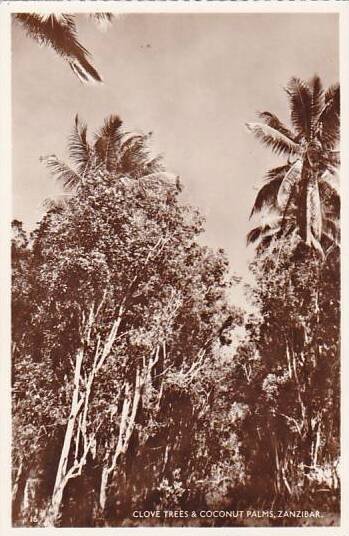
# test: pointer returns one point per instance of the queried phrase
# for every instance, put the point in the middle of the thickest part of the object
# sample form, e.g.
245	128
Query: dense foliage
136	384
125	314
289	380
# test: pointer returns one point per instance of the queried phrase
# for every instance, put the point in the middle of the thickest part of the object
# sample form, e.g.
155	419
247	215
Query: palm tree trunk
303	205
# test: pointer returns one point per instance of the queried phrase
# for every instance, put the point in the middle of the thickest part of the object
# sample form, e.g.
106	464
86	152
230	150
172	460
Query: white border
155	6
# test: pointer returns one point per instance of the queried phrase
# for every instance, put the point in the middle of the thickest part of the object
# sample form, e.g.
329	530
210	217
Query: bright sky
195	86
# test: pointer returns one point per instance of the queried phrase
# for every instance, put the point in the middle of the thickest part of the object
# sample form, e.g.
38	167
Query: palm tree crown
114	155
301	193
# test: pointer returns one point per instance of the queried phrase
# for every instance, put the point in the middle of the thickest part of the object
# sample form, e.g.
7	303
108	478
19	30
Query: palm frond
103	20
303	202
78	147
107	142
84	71
135	156
269	228
267	194
330	195
276	172
333	95
291	178
331	161
300	98
55	205
273	121
254	235
317	102
329	119
278	142
129	138
155	164
62	172
59	32
331	230
331	226
263	238
265	243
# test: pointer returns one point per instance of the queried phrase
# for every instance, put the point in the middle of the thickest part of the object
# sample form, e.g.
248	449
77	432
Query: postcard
175	197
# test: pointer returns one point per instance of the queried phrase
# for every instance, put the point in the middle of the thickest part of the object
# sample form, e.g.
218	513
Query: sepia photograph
175	268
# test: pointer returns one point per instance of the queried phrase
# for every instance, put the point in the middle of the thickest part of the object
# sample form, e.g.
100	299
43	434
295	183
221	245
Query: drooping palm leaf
254	234
267	194
278	142
270	222
269	238
291	178
277	172
63	173
59	32
273	121
263	234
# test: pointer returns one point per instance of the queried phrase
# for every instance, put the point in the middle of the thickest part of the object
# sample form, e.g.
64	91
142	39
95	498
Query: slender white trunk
126	428
103	488
61	481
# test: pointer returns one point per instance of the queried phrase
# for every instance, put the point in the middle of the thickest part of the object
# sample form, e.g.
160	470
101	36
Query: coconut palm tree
113	154
302	193
59	32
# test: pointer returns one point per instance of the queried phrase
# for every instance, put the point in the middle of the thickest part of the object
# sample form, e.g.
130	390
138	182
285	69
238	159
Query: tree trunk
103	488
18	491
304	220
55	507
126	428
317	442
60	482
